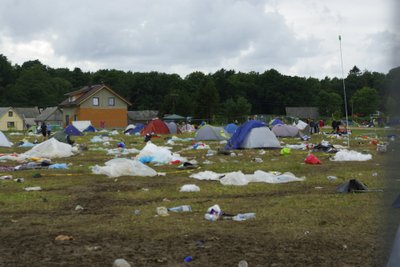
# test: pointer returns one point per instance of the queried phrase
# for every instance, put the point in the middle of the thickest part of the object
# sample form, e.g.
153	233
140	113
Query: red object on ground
311	159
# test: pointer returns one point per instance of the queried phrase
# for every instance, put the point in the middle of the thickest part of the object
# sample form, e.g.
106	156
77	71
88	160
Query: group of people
315	126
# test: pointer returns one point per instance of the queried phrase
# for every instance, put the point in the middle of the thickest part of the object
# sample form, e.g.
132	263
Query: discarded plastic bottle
244	216
183	208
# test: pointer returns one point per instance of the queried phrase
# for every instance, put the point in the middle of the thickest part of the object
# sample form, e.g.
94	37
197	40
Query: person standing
43	130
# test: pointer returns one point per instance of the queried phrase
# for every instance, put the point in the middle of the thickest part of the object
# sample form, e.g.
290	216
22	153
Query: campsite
84	212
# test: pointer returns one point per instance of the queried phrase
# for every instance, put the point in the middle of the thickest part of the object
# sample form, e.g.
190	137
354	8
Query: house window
95	101
111	101
10	114
10	124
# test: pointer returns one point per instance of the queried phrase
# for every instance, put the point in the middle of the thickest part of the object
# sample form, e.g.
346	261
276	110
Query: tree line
224	93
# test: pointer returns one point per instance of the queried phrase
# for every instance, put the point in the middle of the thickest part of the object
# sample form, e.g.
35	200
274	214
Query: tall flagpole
344	93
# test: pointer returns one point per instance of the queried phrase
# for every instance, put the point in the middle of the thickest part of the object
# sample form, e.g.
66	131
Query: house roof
26	113
4	110
46	113
86	92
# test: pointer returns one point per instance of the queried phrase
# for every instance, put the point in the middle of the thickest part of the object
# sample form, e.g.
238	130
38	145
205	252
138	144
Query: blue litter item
146	159
188	258
58	166
121	145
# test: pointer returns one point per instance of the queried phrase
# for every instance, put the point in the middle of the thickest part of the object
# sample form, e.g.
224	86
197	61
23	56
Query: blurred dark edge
390	234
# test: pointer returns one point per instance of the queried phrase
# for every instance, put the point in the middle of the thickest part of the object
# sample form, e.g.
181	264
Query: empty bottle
182	208
244	216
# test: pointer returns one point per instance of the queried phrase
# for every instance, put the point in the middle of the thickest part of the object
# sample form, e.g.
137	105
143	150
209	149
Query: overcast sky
295	37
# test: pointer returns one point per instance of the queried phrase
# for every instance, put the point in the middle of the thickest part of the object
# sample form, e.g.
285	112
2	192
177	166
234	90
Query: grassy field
297	224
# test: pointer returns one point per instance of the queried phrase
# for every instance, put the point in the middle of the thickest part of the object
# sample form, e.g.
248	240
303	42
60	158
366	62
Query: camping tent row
158	126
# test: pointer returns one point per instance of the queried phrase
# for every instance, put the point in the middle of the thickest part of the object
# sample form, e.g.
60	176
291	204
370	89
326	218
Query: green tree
329	103
365	101
207	100
236	110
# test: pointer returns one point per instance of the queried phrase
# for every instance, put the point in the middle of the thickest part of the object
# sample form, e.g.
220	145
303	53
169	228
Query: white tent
261	137
81	125
4	141
50	149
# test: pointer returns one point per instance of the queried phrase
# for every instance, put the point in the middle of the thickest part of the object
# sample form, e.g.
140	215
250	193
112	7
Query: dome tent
156	126
208	132
283	130
253	134
4	141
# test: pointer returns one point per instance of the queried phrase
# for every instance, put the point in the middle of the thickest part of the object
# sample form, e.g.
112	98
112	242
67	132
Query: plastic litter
121	167
311	159
162	211
213	213
188	259
350	155
243	263
244	216
33	188
59	166
189	188
121	263
6	177
183	208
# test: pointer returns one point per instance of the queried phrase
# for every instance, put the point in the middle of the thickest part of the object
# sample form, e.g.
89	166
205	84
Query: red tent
155	126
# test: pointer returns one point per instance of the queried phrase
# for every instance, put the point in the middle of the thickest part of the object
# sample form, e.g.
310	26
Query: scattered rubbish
183	208
92	248
352	185
121	263
145	189
79	207
122	166
161	174
243	263
244	216
200	244
188	259
311	159
6	177
136	212
381	148
19	180
213	213
350	155
285	151
189	188
258	160
59	166
318	187
64	238
232	154
307	232
162	211
188	165
344	246
375	174
238	178
33	188
332	178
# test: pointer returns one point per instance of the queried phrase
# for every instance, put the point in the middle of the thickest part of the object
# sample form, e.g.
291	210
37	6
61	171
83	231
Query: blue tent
253	134
72	130
90	128
135	130
230	128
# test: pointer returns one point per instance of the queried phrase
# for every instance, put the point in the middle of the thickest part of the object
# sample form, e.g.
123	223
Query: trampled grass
297	224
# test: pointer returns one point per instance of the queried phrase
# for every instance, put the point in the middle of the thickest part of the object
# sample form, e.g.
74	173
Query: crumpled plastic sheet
50	149
301	146
100	139
123	167
239	178
125	151
189	188
350	155
156	154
